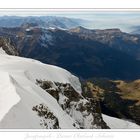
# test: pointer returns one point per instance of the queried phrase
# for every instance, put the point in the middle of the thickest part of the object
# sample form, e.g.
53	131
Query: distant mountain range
135	30
42	21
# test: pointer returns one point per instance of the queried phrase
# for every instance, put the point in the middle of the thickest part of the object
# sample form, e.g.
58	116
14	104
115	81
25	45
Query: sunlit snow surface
2	51
116	123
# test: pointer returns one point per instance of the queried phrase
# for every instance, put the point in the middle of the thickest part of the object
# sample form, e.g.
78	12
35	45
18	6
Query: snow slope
19	92
7	90
115	123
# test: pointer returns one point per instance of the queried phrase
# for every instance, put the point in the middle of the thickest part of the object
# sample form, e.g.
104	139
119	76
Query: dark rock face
86	111
134	112
6	45
47	119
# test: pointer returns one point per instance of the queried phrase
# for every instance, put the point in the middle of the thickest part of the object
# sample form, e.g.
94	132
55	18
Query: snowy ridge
23	74
34	69
31	96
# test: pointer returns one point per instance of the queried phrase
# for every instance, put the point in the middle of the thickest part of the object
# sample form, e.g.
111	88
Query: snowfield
115	123
7	90
19	93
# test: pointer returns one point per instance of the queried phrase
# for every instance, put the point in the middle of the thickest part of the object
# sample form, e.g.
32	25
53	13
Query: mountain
87	53
42	21
135	30
114	38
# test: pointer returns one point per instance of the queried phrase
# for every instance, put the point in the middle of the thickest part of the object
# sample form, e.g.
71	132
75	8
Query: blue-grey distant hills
135	30
42	21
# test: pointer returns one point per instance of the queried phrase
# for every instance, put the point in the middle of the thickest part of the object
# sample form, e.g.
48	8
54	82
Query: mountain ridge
94	53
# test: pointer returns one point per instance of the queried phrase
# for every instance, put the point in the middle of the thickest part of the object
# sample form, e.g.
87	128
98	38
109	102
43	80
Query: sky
100	19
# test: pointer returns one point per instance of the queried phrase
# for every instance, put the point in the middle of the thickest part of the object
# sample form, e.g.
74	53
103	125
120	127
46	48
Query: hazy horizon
100	20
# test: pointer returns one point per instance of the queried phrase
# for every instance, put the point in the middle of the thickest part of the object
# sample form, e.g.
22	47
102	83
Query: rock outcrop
84	110
7	46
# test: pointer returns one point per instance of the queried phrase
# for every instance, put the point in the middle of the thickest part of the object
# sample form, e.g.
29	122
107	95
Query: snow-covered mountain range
37	95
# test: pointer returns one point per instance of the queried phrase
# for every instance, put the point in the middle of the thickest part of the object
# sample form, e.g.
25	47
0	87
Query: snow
84	118
115	123
8	95
2	51
89	120
19	92
46	38
52	28
34	69
28	29
55	28
62	99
